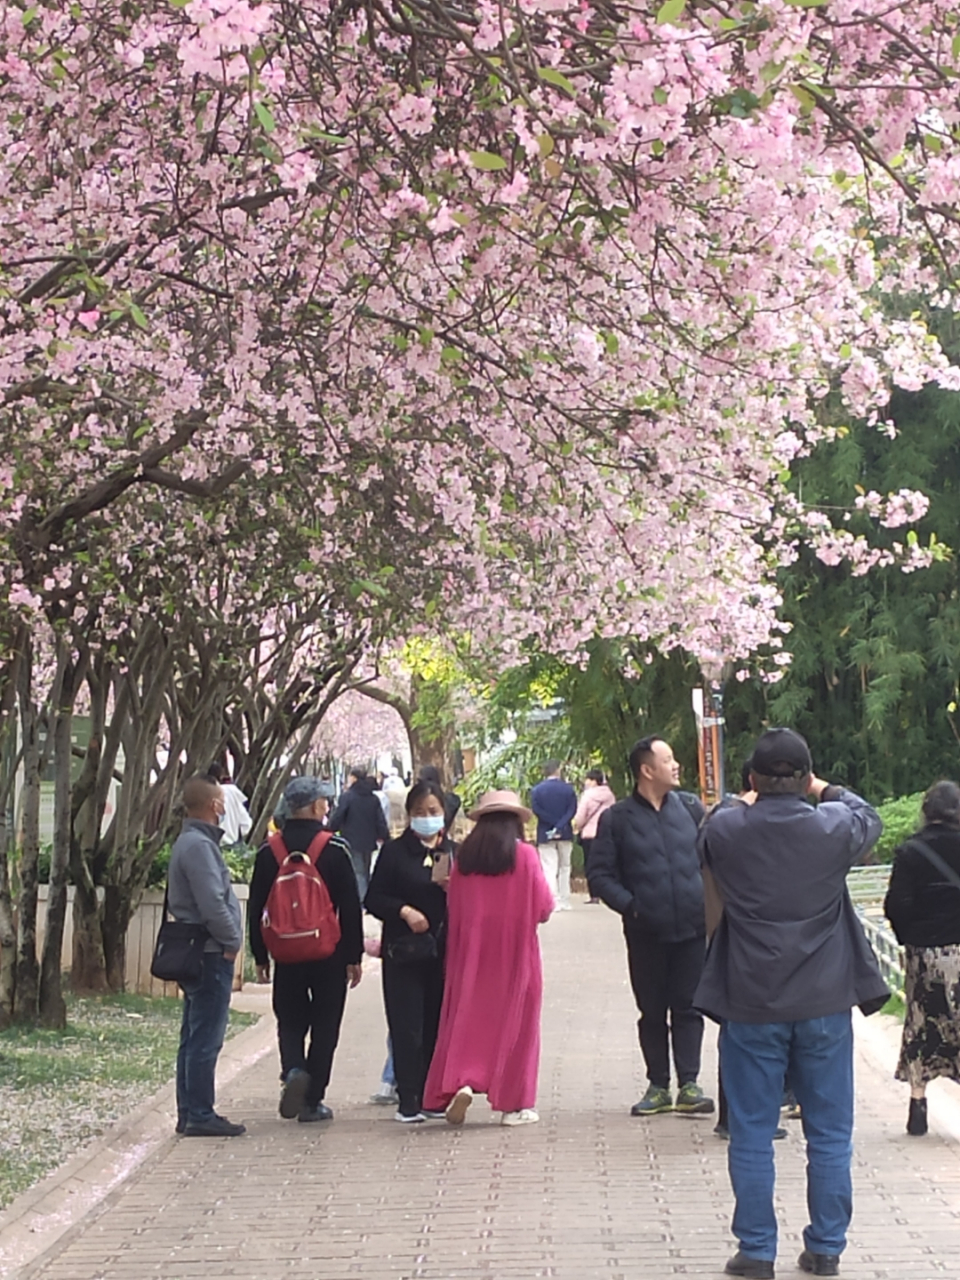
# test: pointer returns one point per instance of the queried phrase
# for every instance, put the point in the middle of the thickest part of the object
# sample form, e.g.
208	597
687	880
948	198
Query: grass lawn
59	1089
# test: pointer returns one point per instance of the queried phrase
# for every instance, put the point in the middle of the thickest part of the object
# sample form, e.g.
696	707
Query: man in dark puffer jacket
644	865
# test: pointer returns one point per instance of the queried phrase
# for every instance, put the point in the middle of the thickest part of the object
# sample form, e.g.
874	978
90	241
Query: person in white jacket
596	799
236	822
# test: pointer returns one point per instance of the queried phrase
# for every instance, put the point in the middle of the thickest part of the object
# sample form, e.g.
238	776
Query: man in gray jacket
200	892
788	961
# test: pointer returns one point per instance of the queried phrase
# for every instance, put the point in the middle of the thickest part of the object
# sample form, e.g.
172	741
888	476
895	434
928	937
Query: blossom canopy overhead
539	298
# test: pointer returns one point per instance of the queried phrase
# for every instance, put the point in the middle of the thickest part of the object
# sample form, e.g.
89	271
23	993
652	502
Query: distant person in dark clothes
310	996
645	866
360	819
451	801
200	892
554	802
408	892
923	905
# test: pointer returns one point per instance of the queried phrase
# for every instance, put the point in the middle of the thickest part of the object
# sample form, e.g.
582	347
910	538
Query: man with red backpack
304	913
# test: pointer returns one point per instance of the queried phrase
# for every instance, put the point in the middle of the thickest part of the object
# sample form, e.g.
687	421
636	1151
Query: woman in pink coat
489	1038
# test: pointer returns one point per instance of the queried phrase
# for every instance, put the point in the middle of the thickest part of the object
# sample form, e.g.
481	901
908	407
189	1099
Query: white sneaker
417	1119
526	1116
459	1105
564	906
386	1096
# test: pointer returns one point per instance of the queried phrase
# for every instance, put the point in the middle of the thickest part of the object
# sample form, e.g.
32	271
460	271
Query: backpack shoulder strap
935	860
318	844
278	848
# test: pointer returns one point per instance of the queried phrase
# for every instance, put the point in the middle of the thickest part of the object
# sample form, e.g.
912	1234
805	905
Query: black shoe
917	1117
308	1115
819	1264
218	1127
757	1268
294	1094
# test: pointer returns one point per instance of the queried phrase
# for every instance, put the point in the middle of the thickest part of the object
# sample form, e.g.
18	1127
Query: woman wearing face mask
408	892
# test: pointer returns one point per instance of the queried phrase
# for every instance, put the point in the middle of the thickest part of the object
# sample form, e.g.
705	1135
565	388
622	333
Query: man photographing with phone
787	963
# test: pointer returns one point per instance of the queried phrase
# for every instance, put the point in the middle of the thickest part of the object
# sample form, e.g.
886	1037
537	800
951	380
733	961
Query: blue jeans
755	1059
206	1006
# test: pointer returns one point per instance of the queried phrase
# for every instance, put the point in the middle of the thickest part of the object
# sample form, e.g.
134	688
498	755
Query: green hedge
901	819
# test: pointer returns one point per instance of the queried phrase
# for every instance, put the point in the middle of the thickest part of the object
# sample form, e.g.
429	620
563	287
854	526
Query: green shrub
901	819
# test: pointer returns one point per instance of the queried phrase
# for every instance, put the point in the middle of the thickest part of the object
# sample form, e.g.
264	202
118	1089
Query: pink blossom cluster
443	305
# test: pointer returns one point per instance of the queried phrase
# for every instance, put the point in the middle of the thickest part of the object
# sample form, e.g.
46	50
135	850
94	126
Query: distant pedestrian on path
923	905
645	866
489	1039
597	798
408	892
236	822
555	802
360	819
308	996
200	892
788	961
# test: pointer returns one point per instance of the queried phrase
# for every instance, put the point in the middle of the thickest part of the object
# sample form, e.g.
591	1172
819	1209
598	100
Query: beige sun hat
500	802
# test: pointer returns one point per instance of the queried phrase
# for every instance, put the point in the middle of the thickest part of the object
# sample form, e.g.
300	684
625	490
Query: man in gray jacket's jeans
200	892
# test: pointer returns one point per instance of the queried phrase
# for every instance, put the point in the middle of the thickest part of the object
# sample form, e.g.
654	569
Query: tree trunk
88	969
28	967
8	940
53	1010
117	913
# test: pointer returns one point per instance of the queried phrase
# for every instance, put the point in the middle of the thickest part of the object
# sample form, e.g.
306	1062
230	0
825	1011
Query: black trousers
412	996
664	976
310	997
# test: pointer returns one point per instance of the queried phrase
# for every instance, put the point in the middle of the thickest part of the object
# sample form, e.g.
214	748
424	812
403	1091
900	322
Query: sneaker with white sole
417	1118
526	1116
433	1115
459	1105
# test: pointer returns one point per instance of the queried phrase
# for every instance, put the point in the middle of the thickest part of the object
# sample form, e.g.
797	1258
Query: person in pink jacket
489	1038
596	799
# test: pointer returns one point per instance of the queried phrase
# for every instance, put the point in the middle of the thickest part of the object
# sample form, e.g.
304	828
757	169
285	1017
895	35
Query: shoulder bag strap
934	858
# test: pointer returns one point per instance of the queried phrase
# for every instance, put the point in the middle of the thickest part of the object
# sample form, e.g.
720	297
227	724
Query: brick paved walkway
588	1193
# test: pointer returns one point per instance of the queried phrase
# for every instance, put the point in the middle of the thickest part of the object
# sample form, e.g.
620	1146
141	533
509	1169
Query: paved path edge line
37	1222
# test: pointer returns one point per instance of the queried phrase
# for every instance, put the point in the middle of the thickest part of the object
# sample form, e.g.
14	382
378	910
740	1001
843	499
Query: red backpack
299	921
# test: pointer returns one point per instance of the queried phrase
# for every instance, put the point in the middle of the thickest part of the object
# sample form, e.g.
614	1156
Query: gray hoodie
199	885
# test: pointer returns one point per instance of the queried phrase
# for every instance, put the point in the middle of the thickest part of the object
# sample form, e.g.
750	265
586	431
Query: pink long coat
490	1023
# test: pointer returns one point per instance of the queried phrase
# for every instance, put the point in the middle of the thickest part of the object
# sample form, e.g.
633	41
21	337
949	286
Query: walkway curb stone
39	1219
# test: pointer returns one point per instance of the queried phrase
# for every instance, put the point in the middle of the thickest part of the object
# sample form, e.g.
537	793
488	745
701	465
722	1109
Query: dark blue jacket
789	946
644	865
554	802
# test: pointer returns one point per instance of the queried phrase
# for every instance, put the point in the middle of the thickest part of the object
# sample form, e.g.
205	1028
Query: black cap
781	753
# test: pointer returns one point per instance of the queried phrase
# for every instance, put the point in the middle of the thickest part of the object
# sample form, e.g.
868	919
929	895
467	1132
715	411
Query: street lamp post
708	710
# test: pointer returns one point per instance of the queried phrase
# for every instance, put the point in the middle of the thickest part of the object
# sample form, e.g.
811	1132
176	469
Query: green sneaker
691	1101
653	1103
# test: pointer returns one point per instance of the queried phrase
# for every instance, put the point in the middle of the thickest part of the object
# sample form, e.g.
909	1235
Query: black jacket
921	904
644	864
789	946
401	878
359	817
337	872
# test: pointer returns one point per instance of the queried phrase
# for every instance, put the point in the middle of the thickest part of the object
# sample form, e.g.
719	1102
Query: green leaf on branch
557	78
670	11
139	319
265	116
808	4
487	161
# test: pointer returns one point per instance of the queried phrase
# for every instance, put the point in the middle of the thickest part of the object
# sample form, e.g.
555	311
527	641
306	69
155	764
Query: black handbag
413	948
178	952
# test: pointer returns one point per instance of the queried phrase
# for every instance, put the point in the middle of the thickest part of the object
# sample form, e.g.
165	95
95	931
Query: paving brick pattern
589	1193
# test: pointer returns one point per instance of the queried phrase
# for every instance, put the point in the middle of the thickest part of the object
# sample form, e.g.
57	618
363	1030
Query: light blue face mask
427	828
